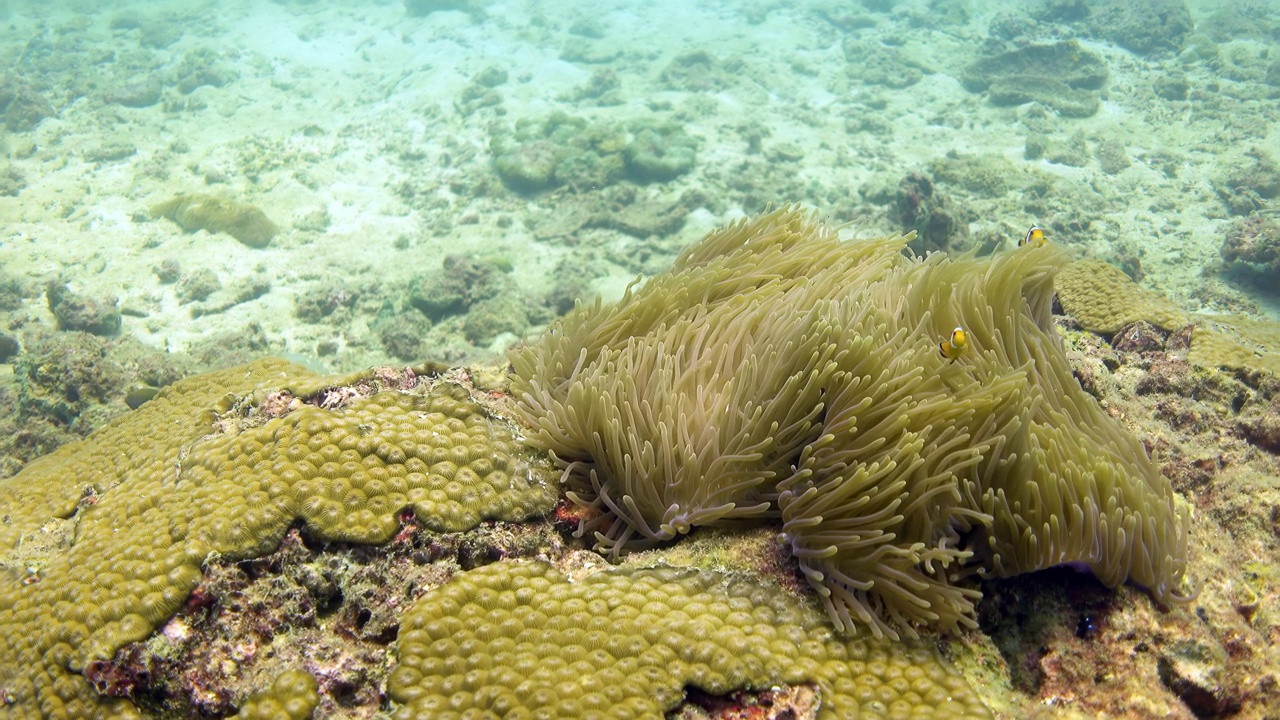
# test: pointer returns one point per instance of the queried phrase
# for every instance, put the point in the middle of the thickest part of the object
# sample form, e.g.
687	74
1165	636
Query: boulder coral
245	223
102	540
518	640
780	374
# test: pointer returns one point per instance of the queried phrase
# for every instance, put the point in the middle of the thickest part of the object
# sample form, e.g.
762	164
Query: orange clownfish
1034	236
954	345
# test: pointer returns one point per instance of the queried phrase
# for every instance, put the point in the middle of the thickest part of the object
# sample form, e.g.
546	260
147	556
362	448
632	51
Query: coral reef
518	639
1236	342
778	373
105	539
1103	299
245	223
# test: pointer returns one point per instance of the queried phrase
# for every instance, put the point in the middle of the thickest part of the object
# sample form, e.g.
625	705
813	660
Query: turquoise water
560	150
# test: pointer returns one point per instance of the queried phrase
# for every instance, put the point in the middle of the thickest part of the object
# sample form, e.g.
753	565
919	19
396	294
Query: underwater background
188	186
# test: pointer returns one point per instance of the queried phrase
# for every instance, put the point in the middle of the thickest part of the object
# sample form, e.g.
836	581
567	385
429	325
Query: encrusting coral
1103	299
779	373
518	640
102	540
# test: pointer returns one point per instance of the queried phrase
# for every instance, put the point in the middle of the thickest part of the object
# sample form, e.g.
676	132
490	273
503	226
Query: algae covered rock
75	311
1054	94
21	106
1062	75
563	150
660	151
221	465
245	223
1238	343
1144	26
528	166
1253	245
66	375
560	149
422	8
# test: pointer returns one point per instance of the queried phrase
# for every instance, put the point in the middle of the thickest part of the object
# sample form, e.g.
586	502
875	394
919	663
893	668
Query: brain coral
518	640
779	373
103	540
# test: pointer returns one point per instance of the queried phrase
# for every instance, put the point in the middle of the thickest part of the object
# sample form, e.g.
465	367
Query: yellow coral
200	470
1103	299
245	223
1236	342
519	640
293	696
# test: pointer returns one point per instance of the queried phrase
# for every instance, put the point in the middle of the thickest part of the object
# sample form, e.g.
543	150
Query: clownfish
1034	236
954	345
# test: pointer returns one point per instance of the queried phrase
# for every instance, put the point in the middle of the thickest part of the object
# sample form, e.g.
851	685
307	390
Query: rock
22	107
659	152
1189	671
9	347
76	312
1066	62
1140	336
136	94
1144	26
1064	100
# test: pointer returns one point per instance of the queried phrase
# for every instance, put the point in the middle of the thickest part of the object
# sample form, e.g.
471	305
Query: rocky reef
267	541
